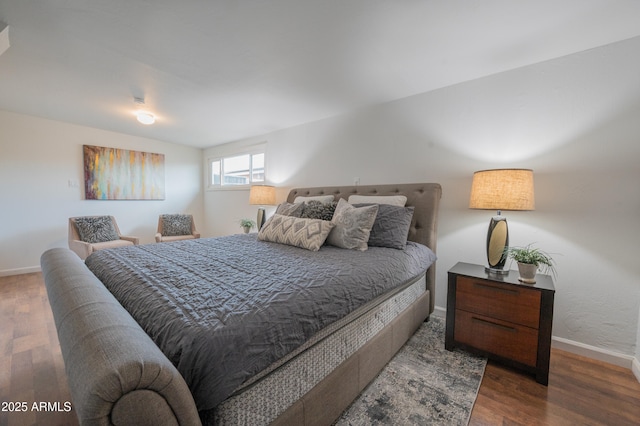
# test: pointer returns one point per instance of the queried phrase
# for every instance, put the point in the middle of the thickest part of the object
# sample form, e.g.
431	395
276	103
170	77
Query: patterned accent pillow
353	225
324	199
391	227
288	209
97	229
318	210
309	234
174	225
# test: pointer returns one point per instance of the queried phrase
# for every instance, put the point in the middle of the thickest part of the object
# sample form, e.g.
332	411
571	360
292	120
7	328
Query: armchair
91	233
174	227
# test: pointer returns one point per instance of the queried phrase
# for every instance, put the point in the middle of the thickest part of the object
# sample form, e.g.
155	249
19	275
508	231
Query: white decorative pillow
324	199
309	234
394	200
352	225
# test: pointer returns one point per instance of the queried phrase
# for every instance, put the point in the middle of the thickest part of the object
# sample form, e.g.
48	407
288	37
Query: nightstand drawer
501	338
516	304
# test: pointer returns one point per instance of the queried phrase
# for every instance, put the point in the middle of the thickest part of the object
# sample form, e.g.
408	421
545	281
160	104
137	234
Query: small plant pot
246	229
527	272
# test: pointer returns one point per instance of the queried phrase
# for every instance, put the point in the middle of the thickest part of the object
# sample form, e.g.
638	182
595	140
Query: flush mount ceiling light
143	116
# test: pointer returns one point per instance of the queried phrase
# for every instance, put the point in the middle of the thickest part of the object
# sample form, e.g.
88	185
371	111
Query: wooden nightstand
501	318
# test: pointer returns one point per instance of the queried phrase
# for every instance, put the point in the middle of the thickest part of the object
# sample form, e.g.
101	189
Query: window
235	170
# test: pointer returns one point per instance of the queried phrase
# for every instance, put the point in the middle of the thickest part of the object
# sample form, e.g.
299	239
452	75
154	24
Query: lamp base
494	271
497	242
260	218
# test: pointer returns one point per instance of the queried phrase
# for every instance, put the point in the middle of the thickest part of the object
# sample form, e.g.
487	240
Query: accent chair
174	227
91	233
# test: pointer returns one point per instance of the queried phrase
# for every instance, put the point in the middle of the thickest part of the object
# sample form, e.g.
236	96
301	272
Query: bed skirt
321	380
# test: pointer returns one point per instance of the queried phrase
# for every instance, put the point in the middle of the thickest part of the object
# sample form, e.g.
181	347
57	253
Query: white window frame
259	149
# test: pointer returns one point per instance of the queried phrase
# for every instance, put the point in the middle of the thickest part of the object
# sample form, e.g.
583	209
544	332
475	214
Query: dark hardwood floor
581	391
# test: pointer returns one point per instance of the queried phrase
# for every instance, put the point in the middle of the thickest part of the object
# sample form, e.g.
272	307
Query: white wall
38	158
573	120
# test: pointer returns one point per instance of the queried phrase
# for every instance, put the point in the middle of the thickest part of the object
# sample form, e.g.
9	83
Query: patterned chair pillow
305	233
174	225
352	225
98	229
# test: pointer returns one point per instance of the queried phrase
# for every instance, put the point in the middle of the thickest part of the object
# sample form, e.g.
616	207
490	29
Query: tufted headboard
425	197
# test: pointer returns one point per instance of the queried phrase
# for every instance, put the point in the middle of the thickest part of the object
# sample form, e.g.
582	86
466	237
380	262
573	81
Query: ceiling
219	71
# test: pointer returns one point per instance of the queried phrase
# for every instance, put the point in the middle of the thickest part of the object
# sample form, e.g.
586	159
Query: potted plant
247	225
529	260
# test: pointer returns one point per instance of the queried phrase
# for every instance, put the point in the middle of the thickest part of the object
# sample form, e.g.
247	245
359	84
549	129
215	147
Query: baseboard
593	352
635	367
439	312
18	271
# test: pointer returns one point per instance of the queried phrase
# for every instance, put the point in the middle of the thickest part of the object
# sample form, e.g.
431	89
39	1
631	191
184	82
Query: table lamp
501	189
263	195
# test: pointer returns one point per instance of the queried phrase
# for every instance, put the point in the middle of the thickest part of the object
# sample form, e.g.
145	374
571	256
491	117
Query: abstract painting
120	174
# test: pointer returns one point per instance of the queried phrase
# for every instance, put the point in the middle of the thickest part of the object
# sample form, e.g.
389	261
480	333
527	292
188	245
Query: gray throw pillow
98	229
288	209
391	227
174	225
353	225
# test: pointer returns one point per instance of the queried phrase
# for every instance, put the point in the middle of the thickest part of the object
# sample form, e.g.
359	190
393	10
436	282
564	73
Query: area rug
424	384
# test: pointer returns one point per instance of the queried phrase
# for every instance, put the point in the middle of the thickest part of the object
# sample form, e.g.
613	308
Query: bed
308	372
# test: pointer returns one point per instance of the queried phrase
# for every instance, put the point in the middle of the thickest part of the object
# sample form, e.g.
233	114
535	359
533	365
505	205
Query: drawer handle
500	326
494	288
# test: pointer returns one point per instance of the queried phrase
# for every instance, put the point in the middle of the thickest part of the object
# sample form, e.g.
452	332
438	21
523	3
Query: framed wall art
120	174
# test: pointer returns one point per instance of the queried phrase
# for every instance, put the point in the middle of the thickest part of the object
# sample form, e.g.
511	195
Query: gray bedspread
222	309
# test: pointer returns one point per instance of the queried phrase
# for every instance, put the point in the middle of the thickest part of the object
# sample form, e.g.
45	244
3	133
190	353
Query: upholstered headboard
425	197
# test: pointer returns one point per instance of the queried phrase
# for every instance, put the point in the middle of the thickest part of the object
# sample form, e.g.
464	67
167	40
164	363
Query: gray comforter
223	309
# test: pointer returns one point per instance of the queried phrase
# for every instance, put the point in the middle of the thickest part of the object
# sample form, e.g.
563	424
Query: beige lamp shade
263	195
502	189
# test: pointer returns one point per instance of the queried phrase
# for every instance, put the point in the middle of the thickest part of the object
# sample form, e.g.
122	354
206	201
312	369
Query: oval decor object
497	240
527	272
